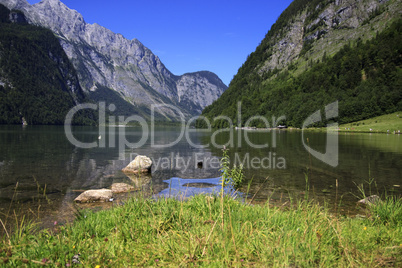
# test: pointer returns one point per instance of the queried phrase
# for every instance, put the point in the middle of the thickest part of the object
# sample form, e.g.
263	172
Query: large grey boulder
102	195
141	164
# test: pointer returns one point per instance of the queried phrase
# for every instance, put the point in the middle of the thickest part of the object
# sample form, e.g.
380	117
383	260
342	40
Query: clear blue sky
188	36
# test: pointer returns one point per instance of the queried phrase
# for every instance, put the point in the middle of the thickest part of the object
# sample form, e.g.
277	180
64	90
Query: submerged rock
200	185
118	188
102	195
371	200
141	164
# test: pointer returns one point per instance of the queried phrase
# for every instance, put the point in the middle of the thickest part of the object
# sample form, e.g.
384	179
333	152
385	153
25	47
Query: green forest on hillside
365	77
36	77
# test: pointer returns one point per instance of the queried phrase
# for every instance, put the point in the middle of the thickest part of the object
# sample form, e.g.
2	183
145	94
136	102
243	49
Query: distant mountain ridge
106	59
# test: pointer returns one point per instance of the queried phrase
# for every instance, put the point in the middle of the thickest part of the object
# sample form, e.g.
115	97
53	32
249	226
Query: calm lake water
41	171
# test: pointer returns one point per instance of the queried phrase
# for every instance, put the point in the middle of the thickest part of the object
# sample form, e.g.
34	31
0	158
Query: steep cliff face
108	59
190	89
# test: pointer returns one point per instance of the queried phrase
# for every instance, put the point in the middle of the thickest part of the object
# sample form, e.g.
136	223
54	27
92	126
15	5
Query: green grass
172	233
388	123
381	124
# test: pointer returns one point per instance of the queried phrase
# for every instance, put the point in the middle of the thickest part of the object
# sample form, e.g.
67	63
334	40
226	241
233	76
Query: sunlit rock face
326	29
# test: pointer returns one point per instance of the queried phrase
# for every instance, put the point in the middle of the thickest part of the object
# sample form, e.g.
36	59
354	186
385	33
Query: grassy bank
212	232
380	124
389	123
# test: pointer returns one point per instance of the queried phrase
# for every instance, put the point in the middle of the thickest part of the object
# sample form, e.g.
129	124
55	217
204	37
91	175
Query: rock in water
371	200
102	195
141	164
118	188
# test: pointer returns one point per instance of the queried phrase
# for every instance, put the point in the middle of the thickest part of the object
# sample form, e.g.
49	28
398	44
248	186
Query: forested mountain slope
316	53
37	81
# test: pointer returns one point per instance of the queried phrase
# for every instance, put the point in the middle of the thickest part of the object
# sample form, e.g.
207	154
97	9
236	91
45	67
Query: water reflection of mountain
41	159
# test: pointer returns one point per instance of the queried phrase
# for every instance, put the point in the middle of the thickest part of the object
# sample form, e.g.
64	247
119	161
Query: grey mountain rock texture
335	24
103	58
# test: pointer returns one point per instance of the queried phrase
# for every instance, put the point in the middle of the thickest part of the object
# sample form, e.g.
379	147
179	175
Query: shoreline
323	129
387	124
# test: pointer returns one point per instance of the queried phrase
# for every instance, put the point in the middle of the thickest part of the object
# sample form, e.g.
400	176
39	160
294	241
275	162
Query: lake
42	170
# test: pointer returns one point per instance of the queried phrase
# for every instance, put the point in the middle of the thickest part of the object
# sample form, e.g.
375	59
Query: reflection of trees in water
42	160
45	167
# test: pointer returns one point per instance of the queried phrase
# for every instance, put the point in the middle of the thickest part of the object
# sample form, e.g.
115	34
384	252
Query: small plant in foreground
230	176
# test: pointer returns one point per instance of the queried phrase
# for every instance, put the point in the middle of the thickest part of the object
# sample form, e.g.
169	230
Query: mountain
319	52
107	62
38	84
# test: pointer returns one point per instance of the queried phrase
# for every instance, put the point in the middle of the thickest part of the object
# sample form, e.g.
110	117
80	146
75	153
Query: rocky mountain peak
105	58
59	18
16	4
